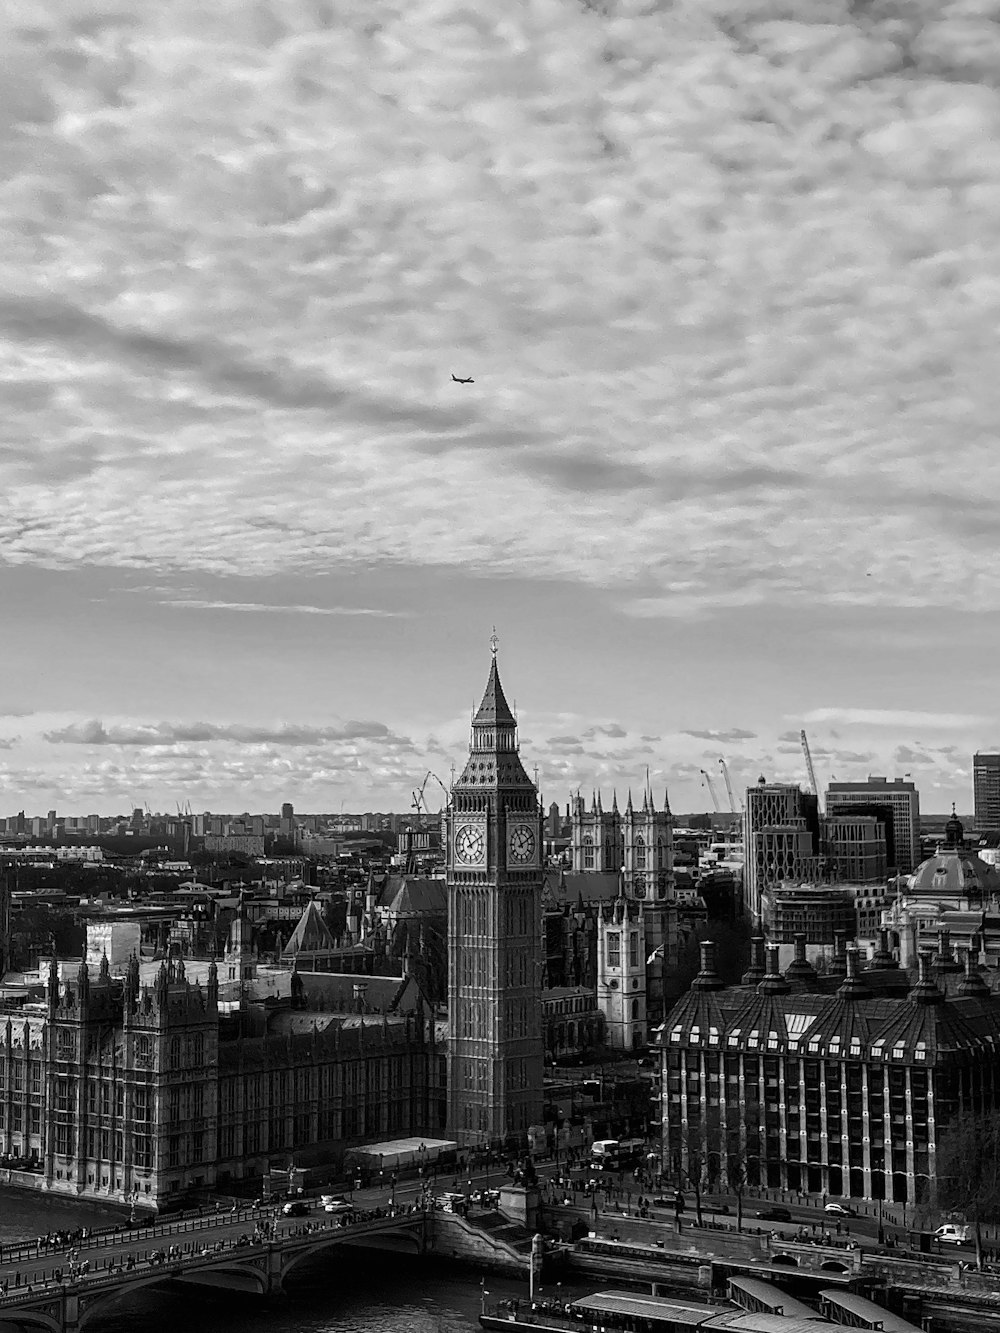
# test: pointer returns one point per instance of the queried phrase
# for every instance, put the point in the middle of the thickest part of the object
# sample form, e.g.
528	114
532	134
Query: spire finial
494	642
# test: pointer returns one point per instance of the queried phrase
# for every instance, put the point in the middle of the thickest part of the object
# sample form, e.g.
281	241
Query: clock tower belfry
493	829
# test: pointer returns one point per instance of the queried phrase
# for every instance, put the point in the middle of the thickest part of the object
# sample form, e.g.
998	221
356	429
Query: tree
968	1171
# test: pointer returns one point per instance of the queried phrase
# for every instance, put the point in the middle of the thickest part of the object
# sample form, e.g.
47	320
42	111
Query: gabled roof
586	888
414	895
311	934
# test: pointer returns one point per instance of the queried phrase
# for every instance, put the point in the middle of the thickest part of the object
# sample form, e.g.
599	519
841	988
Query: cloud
891	717
904	754
8	742
612	730
243	255
198	604
94	732
734	736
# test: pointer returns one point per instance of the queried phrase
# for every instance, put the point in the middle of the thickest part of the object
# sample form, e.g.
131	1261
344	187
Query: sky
726	276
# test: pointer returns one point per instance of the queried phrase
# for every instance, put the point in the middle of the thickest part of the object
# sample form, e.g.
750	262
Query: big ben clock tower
493	827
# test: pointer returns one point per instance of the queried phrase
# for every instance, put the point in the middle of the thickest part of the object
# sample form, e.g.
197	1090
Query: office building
827	1086
781	839
855	848
986	791
896	802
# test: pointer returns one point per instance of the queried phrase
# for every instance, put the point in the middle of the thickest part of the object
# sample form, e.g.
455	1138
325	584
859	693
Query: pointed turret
132	984
666	800
628	807
83	982
494	711
614	801
600	808
52	985
104	971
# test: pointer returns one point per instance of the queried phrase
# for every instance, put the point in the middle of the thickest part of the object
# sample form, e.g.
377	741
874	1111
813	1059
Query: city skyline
722	277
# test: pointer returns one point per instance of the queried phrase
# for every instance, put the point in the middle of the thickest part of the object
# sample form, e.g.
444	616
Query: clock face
522	843
470	844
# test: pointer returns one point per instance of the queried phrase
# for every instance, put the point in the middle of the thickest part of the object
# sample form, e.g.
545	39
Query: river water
341	1291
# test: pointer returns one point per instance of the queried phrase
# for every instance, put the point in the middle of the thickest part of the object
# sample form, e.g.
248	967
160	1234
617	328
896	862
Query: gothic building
493	830
110	1089
621	980
638	844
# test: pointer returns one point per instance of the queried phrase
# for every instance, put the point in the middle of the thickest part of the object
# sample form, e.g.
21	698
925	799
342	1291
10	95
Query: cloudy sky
726	274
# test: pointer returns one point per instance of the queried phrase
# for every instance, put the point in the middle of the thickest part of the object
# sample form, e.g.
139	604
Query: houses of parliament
161	1082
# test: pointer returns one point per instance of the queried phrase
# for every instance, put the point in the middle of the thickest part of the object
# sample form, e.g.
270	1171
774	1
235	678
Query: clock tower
493	828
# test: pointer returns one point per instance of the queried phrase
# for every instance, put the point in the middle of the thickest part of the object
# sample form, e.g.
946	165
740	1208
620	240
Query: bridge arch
99	1301
787	1259
29	1319
401	1241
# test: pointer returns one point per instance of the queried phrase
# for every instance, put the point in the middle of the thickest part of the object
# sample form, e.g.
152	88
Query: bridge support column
275	1283
70	1311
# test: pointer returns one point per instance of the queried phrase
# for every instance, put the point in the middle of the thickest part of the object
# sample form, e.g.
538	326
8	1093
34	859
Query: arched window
661	854
640	853
175	1052
588	852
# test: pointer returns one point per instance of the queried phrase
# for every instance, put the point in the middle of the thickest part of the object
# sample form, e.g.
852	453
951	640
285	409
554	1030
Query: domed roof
953	873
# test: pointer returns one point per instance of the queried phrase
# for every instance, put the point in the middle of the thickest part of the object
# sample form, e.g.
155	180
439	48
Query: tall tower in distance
493	829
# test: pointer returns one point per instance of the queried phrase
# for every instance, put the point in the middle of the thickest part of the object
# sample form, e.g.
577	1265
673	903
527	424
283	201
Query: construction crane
729	788
418	802
711	789
810	770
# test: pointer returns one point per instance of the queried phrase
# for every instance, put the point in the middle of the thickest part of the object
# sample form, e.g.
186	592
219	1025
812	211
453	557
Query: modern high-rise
986	790
781	839
493	831
896	799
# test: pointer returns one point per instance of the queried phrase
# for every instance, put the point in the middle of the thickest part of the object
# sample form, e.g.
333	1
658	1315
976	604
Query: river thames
342	1292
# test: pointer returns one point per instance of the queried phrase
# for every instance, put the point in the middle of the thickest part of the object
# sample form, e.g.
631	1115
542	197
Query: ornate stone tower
493	829
621	973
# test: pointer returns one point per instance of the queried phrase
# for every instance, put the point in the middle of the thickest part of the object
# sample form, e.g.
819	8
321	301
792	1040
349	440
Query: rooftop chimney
800	972
926	991
708	978
853	987
882	957
973	984
756	971
838	963
774	983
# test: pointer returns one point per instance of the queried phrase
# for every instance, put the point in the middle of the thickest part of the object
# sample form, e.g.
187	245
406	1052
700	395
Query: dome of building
954	875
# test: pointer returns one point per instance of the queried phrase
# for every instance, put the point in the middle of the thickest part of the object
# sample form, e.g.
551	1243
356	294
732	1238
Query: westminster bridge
63	1288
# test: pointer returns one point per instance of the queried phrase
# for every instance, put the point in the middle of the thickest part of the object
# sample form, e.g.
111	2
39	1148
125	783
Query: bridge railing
114	1267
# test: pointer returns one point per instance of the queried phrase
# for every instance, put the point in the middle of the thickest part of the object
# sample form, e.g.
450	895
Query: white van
954	1234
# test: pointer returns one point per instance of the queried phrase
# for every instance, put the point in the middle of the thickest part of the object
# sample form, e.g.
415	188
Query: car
952	1234
296	1208
838	1210
774	1215
335	1204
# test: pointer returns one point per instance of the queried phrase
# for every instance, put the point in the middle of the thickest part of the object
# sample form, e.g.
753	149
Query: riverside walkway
63	1287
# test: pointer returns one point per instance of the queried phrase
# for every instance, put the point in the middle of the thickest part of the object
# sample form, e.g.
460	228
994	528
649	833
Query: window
640	853
633	949
588	852
614	948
